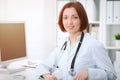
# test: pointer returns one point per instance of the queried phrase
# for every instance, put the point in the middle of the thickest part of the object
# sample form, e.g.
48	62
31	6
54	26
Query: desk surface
29	74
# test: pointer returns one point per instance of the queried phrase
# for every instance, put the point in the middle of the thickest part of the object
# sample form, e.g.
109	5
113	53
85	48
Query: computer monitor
12	42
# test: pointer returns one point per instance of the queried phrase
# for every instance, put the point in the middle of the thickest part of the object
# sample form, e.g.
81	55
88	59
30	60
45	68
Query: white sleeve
100	74
46	65
104	69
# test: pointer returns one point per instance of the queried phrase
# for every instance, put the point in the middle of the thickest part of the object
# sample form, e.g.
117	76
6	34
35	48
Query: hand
81	75
49	77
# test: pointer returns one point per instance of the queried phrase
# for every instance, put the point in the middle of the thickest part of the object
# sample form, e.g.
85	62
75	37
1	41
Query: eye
65	17
75	17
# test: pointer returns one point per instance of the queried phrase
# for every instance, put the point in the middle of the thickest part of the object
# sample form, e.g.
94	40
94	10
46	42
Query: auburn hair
81	13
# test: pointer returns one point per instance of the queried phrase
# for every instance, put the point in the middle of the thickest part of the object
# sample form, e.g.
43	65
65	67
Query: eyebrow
72	15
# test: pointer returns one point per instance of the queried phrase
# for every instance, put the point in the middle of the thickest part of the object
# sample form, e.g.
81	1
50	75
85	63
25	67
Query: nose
69	21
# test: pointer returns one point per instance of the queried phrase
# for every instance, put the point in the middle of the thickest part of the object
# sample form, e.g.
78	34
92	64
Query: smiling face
71	20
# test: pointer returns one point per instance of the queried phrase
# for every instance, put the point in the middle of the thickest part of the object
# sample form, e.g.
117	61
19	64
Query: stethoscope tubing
63	48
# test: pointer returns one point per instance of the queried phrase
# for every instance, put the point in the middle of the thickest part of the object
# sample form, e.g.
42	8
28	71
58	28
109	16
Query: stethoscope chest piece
72	72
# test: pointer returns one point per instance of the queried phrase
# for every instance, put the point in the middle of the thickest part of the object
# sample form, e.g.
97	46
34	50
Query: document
116	12
109	11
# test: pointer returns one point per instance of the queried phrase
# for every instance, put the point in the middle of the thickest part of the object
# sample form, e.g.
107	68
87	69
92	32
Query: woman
79	57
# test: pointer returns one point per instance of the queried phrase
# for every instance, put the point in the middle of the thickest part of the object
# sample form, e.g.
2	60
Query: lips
70	27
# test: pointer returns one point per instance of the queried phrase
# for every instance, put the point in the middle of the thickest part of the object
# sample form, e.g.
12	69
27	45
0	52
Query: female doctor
79	57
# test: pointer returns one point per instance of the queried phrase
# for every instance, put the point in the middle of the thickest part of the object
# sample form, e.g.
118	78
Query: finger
50	77
53	77
80	79
77	77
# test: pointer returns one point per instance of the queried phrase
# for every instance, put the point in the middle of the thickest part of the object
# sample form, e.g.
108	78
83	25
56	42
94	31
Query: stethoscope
63	48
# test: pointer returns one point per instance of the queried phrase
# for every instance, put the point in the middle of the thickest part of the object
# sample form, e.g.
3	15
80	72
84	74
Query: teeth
70	27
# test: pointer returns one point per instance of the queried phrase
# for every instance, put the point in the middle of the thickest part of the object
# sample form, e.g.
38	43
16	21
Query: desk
29	73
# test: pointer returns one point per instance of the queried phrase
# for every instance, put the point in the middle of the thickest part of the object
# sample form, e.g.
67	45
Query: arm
45	66
104	69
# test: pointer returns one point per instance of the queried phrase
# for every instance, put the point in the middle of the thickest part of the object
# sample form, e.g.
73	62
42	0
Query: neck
73	37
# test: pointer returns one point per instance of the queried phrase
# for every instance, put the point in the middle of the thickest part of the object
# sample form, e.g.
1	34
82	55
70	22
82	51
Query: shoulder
91	42
95	47
62	40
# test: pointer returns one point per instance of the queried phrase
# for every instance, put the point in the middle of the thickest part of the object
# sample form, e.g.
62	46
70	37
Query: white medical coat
91	56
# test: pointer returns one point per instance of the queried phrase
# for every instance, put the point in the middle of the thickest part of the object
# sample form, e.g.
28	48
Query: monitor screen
12	41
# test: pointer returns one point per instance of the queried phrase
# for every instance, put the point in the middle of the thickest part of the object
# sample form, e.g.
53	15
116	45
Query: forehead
69	11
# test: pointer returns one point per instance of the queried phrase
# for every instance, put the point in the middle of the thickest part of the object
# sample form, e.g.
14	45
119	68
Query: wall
40	24
3	9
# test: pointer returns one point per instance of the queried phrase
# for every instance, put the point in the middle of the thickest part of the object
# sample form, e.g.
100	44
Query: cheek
77	24
64	23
